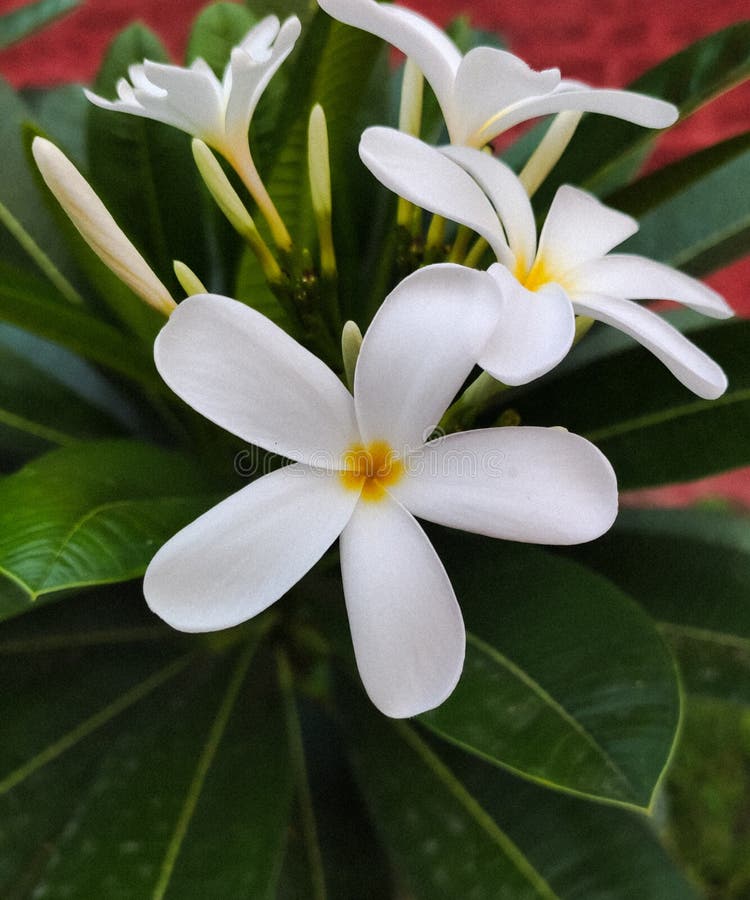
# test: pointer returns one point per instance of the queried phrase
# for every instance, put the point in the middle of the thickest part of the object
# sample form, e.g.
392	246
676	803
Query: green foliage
137	762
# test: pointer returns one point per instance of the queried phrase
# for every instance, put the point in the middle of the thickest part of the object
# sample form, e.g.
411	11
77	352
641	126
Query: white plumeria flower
362	470
217	112
489	91
541	287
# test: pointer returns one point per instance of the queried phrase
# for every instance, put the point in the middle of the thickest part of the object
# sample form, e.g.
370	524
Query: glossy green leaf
144	173
137	766
651	428
21	22
38	410
691	570
215	31
605	153
457	827
61	113
30	303
92	513
566	681
693	215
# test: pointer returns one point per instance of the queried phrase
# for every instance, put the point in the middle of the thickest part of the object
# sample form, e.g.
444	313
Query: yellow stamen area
537	276
371	469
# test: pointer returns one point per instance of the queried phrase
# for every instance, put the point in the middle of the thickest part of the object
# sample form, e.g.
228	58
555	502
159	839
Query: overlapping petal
579	228
244	373
242	555
638	278
431	330
406	625
533	333
539	485
688	363
507	195
424	176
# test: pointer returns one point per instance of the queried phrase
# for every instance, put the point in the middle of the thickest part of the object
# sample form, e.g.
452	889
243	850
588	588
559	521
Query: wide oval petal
638	278
534	331
238	369
242	555
419	349
579	228
425	176
407	629
506	193
536	485
688	363
415	36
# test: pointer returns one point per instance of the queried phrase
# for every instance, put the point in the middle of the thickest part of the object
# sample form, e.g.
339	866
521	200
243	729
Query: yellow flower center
538	275
371	469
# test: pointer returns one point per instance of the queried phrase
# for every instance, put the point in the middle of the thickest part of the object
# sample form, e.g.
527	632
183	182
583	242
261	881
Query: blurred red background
604	42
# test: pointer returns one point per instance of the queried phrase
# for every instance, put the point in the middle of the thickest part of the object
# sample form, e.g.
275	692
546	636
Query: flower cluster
364	459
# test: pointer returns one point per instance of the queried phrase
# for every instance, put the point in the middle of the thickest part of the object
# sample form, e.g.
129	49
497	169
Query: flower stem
245	168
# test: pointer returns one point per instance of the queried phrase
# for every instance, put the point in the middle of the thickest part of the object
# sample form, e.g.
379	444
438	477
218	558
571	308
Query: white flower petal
488	81
406	626
245	553
238	369
538	485
426	177
419	349
628	105
685	361
534	331
578	228
253	64
506	193
638	278
430	48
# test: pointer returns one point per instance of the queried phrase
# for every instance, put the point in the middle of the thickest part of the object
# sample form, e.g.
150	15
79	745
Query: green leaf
457	827
18	188
216	30
605	152
145	175
92	513
151	768
693	215
30	18
38	410
61	113
650	427
565	682
31	303
691	570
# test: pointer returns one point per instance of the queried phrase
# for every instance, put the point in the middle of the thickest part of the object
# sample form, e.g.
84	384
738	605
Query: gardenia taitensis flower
362	469
540	287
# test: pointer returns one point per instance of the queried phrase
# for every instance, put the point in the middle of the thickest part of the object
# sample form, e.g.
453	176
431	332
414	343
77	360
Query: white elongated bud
319	166
351	341
97	227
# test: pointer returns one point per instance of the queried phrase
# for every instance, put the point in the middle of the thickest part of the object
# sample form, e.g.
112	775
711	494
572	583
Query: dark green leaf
457	827
18	190
605	152
145	175
30	18
31	303
61	113
693	215
135	767
36	408
691	571
92	513
566	681
650	427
